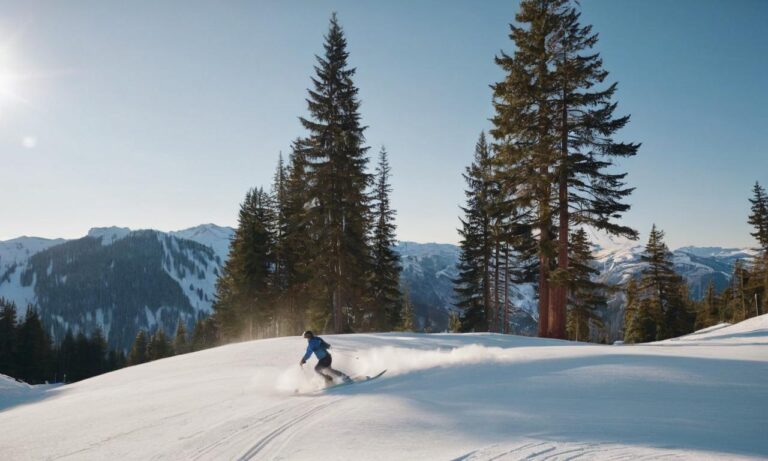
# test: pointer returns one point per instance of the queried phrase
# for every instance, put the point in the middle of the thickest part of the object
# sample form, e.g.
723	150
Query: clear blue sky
162	114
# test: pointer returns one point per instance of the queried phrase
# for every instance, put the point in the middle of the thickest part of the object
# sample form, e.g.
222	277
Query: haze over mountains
122	280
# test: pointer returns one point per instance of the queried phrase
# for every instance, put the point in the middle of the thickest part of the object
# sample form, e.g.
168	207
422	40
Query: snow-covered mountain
618	260
122	280
114	278
428	273
472	397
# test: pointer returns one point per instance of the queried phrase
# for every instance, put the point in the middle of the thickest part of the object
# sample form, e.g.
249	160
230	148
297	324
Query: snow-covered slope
468	397
210	235
13	255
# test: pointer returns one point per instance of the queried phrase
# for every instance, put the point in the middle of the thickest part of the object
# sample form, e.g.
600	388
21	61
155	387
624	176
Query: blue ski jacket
318	346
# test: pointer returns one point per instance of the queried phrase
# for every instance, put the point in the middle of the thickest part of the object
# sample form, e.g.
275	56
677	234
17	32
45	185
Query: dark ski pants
323	368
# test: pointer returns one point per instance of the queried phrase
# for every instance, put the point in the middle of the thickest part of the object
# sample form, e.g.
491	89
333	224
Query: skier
323	368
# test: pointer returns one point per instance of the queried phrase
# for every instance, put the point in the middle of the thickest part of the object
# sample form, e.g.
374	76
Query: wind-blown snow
445	396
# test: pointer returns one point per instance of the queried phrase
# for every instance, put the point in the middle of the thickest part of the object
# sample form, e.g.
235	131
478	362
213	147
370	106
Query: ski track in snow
550	451
472	397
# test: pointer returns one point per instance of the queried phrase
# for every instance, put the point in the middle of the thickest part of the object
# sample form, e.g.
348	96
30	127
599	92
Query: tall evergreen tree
280	199
554	128
523	128
33	350
243	306
707	313
336	161
81	366
7	337
662	286
138	353
297	247
66	358
585	125
758	217
158	346
635	320
407	315
473	284
97	353
385	277
180	340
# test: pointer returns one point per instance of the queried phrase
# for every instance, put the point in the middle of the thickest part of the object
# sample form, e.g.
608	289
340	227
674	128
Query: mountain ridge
187	262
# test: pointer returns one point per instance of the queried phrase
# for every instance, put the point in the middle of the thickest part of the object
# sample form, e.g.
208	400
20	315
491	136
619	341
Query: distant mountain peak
109	235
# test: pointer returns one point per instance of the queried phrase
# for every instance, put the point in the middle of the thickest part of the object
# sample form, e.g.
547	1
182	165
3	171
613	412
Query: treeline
148	347
316	251
747	294
548	172
27	352
658	305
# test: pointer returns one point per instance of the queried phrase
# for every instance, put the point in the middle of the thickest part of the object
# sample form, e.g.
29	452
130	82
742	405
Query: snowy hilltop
444	396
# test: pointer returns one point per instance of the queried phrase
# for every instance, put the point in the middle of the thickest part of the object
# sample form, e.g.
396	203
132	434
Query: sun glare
10	78
8	85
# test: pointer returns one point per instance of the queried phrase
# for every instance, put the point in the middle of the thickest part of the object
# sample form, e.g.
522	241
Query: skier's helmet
308	334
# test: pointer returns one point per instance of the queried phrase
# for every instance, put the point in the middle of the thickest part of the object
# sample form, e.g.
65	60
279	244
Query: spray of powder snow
396	360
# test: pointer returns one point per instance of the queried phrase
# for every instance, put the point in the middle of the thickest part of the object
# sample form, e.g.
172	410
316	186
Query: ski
356	380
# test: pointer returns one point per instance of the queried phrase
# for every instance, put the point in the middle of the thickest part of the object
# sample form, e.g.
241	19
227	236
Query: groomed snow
444	396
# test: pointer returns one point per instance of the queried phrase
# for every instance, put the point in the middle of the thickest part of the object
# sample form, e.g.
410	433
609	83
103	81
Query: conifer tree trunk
496	302
505	317
557	314
486	271
544	263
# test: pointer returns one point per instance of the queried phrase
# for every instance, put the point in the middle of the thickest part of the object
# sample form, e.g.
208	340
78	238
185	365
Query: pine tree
339	208
407	313
81	365
758	217
158	346
631	311
66	357
585	125
243	306
454	322
138	353
385	280
281	278
205	334
707	313
662	285
180	341
296	242
739	282
97	353
514	247
33	350
586	297
115	360
7	337
523	129
554	129
473	284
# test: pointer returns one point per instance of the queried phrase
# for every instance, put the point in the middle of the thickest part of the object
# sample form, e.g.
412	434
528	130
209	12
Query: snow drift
468	397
